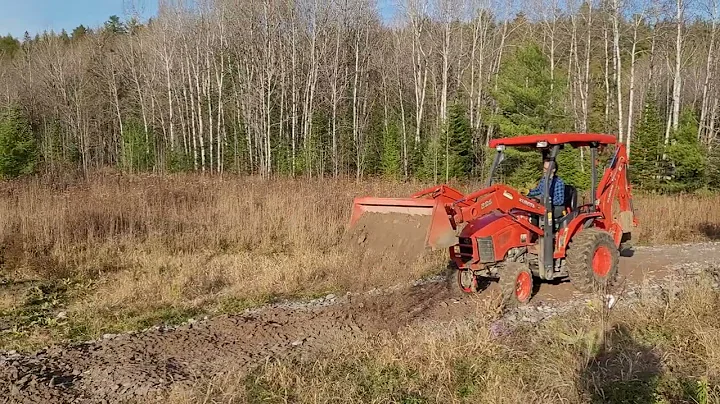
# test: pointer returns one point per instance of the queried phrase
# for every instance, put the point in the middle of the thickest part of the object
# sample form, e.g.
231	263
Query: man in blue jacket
557	189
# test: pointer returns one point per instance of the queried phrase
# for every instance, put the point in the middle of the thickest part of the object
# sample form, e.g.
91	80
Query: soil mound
391	243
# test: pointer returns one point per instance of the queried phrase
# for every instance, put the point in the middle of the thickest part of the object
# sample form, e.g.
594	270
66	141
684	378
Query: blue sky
35	16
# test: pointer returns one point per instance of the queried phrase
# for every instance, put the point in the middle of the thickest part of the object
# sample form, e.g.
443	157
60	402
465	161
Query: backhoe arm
614	184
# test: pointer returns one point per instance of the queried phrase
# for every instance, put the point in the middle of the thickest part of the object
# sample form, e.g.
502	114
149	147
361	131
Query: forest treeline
330	88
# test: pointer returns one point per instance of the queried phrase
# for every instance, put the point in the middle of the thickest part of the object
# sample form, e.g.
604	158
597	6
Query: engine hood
487	225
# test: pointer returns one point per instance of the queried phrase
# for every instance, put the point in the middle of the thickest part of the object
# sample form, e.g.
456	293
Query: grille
486	249
466	249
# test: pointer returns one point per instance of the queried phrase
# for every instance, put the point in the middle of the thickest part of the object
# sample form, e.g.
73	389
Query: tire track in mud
142	366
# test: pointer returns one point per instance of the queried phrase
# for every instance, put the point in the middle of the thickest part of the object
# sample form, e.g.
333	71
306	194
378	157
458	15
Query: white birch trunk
618	66
677	79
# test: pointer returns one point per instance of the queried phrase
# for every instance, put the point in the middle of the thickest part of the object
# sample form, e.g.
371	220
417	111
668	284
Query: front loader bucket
405	218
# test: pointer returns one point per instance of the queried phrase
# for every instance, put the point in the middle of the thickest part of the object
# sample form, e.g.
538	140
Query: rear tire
592	260
516	284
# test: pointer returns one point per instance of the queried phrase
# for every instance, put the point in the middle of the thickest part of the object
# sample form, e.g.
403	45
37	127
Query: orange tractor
497	232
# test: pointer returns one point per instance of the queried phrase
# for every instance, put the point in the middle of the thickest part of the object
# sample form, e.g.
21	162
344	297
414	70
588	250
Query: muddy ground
143	366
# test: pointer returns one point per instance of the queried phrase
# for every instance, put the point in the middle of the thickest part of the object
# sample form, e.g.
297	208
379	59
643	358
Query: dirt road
141	366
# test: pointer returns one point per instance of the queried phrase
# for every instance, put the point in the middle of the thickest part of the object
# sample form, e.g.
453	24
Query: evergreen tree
390	161
528	99
134	26
529	103
431	165
686	156
8	45
137	149
647	147
114	26
79	32
457	150
18	149
569	161
712	168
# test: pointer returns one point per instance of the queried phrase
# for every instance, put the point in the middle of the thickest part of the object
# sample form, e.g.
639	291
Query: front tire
592	260
516	284
466	281
460	282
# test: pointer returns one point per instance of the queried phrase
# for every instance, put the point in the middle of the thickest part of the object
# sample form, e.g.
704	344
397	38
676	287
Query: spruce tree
646	150
79	32
569	161
137	147
529	103
458	157
712	168
114	26
18	149
8	45
431	163
527	97
390	161
686	156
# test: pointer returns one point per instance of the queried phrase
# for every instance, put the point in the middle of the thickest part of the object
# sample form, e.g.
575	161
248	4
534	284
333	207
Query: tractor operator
557	190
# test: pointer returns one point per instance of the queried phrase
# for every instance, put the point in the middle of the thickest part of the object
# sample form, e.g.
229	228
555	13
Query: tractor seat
571	198
570	205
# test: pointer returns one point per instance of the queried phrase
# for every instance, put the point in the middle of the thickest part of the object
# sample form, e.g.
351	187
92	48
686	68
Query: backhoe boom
614	184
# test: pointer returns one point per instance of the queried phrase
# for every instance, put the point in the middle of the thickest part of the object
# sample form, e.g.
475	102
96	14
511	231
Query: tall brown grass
678	218
145	248
140	244
192	213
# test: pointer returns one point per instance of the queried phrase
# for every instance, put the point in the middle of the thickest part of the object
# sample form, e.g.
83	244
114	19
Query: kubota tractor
497	232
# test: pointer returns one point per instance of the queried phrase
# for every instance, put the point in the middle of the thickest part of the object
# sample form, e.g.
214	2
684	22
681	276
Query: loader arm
448	208
497	197
443	193
614	184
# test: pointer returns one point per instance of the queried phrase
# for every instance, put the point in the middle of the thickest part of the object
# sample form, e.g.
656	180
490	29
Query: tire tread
579	260
507	281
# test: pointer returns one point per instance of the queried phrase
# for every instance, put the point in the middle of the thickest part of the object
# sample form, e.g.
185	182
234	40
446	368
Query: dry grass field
117	253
